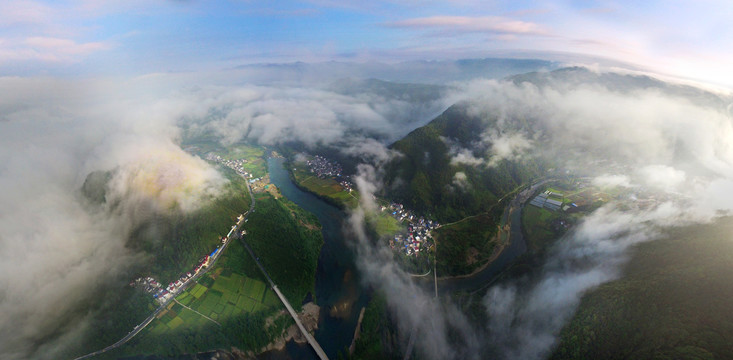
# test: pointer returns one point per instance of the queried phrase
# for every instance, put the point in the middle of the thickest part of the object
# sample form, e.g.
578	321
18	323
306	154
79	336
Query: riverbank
336	277
357	331
308	316
341	206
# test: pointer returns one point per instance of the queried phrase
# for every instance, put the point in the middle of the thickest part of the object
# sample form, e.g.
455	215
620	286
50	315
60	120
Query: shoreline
324	198
309	316
357	332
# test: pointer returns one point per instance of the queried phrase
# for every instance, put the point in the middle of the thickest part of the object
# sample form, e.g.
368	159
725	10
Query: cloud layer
649	140
57	250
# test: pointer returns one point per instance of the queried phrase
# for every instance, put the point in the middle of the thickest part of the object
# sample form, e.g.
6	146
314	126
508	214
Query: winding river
338	287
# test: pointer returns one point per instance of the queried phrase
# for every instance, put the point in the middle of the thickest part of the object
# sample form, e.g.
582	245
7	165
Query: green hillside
288	241
673	302
423	178
177	241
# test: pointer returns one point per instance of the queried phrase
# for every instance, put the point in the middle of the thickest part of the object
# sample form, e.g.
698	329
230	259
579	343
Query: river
339	292
338	285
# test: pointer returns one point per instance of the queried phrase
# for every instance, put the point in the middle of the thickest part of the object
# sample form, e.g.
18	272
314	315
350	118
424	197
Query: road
160	308
517	203
313	343
308	336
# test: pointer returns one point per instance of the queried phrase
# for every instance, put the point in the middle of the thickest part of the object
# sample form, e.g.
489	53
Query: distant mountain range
445	168
420	72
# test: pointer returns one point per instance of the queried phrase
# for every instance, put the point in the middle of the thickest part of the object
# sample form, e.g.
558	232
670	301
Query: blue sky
686	38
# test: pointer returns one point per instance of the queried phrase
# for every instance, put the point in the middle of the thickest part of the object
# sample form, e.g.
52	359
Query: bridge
312	341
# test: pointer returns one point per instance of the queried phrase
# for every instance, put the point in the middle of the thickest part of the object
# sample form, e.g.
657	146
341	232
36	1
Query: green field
385	224
328	188
255	156
288	243
226	295
537	226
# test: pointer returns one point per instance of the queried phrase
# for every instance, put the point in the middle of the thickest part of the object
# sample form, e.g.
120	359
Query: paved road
313	343
150	318
308	336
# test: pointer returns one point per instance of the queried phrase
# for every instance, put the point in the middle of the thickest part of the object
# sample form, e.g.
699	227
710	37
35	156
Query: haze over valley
451	180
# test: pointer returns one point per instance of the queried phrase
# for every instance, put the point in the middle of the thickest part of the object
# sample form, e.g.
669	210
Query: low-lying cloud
417	310
649	141
55	132
58	248
312	116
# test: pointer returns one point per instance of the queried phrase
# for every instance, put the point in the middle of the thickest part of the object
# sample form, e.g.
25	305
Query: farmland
215	312
327	188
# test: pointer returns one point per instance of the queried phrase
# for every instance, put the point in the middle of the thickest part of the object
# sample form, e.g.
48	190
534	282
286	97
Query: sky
91	85
689	39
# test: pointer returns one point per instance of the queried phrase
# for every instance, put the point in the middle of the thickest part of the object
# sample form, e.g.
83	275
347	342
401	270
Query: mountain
422	72
573	77
671	303
427	180
480	149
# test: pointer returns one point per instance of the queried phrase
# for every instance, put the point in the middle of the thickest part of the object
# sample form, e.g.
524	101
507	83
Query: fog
416	309
58	248
647	140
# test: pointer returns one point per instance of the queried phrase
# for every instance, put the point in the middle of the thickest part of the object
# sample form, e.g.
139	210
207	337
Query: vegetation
288	240
213	313
328	189
255	156
386	225
202	145
174	243
423	179
541	226
331	191
464	246
377	339
234	294
178	240
673	302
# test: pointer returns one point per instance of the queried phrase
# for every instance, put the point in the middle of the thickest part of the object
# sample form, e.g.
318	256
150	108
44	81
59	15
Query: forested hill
426	180
176	240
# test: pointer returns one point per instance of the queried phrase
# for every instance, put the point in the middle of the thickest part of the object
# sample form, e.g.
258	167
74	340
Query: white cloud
665	178
609	180
506	146
56	250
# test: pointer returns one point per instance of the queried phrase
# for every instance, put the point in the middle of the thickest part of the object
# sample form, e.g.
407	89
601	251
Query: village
257	184
418	237
163	295
324	168
236	165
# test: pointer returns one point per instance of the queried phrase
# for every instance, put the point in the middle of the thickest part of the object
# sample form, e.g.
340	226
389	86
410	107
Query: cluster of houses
162	294
418	236
236	165
147	283
324	168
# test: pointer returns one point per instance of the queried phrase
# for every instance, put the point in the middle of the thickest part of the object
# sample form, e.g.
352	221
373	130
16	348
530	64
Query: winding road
160	308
